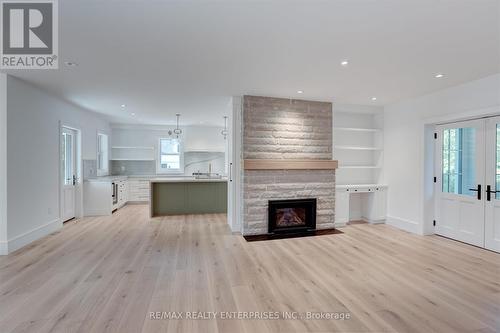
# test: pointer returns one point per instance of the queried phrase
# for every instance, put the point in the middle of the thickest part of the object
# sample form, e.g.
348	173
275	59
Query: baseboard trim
371	221
4	249
24	239
403	224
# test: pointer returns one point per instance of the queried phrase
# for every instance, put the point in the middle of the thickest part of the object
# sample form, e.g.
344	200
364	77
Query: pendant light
224	131
177	131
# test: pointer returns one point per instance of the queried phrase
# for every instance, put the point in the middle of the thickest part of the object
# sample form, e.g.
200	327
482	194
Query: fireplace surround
296	216
287	155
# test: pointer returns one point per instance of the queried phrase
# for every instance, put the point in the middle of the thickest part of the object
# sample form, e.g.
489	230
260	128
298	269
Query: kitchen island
176	196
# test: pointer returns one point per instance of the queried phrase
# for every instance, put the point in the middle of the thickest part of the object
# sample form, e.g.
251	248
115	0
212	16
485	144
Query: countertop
106	179
156	179
357	186
187	180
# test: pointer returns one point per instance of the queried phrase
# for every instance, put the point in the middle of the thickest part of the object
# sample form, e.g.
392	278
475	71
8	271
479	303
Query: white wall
203	138
197	140
405	171
3	164
33	120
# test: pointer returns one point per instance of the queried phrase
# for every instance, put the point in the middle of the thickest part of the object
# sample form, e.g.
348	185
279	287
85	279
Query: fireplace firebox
296	216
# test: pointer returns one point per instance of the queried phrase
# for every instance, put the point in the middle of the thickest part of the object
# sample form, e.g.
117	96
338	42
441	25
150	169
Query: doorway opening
467	182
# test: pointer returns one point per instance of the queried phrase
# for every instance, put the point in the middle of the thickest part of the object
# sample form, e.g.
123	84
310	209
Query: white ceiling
164	57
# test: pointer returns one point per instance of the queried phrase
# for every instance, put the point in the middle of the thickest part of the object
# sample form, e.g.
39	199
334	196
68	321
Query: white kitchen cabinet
97	198
341	208
370	199
138	190
103	195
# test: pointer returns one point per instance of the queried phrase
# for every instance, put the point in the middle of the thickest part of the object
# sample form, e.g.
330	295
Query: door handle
478	190
230	172
489	191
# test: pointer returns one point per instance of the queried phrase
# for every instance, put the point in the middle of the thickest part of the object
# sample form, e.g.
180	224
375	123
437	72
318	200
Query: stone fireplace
294	132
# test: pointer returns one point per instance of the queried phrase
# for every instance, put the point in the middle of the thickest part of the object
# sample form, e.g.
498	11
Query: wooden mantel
262	164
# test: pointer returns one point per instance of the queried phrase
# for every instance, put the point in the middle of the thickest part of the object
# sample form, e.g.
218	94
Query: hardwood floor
107	274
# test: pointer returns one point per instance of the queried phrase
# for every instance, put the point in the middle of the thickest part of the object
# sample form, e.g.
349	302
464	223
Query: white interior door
460	208
492	190
68	173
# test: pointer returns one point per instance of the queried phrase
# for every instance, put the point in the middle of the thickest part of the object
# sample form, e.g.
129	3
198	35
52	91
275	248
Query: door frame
234	163
490	206
429	156
79	171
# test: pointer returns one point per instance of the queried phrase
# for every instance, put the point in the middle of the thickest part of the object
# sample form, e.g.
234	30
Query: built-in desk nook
365	202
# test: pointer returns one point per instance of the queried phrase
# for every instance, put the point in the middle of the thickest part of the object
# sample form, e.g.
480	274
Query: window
102	154
459	160
170	156
68	158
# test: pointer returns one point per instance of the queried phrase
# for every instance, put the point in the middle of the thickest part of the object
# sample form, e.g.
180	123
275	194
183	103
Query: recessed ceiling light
70	64
439	75
132	114
374	98
123	105
300	92
344	63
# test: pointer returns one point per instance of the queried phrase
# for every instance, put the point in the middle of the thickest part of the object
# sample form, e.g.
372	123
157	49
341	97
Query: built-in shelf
358	144
262	164
356	129
357	186
357	148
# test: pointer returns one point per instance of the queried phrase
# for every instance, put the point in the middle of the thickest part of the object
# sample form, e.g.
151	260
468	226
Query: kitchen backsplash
133	168
193	162
199	161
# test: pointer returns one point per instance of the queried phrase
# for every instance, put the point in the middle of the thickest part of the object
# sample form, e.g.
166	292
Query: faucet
204	175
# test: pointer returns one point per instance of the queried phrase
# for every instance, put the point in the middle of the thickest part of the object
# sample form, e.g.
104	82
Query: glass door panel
458	160
460	168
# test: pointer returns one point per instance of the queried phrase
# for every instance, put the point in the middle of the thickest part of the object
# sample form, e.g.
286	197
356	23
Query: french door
468	176
68	173
492	190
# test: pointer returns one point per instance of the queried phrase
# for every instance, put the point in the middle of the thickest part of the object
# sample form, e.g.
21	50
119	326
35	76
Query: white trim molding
4	248
403	224
3	164
18	242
